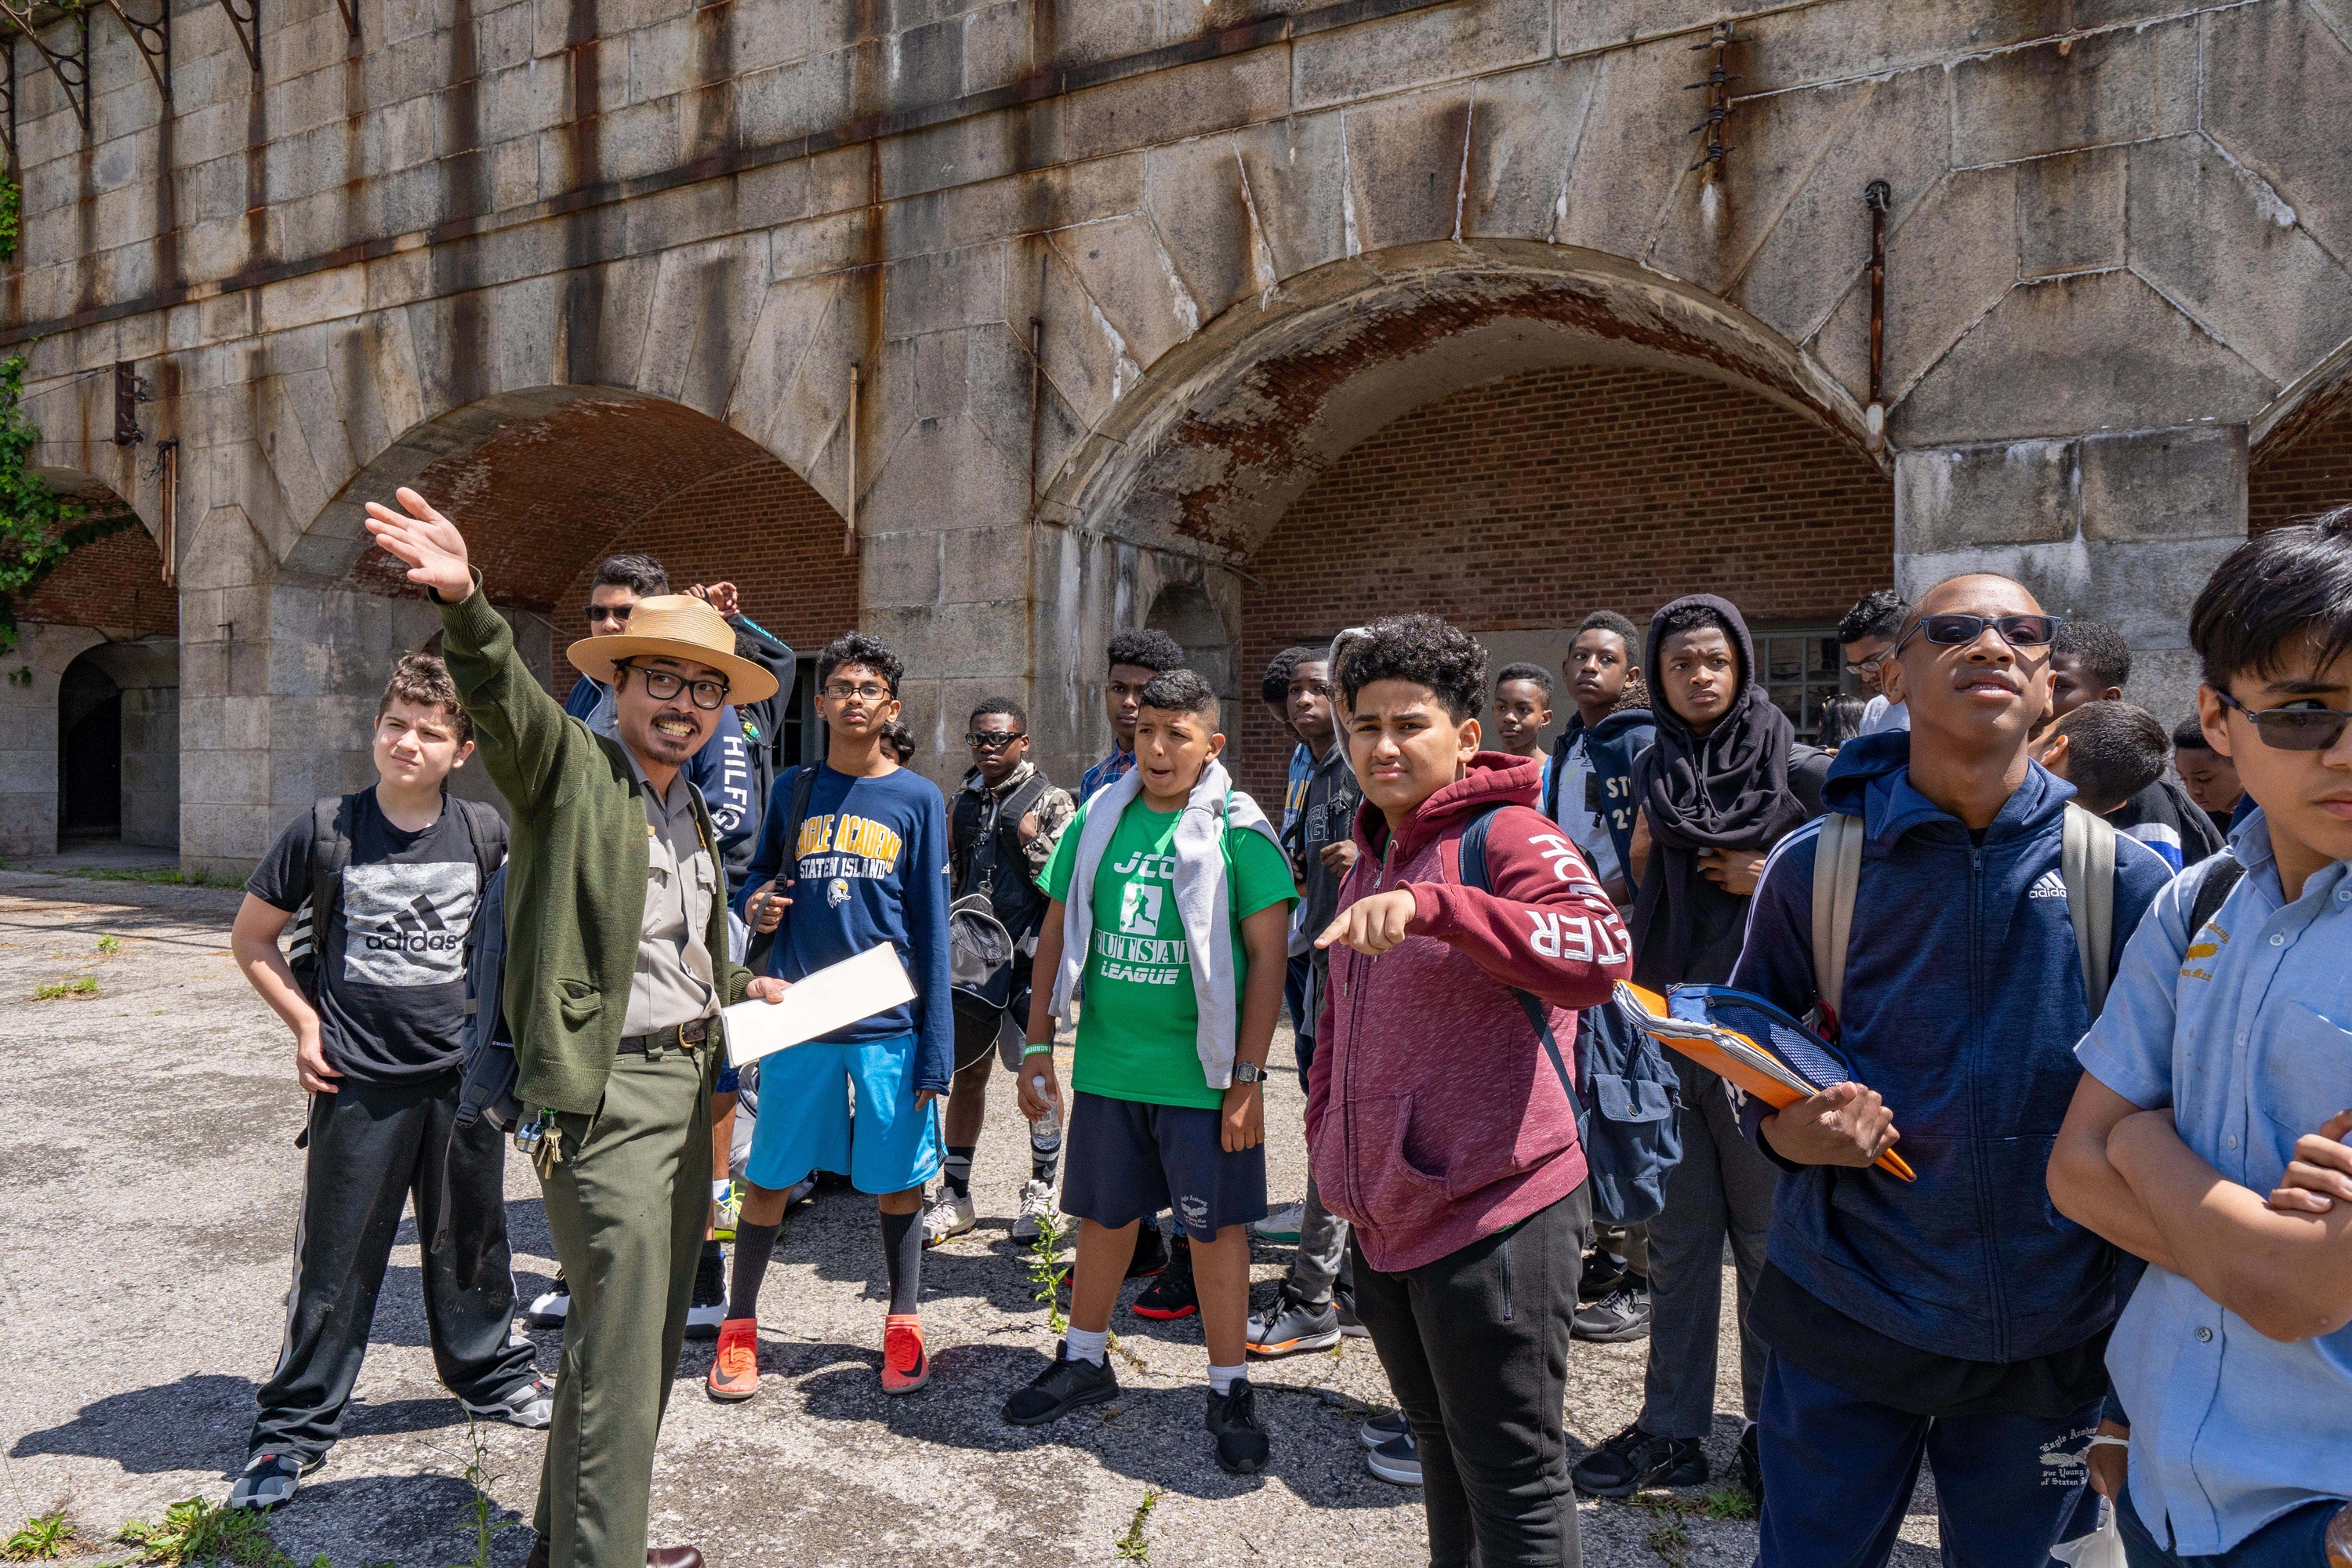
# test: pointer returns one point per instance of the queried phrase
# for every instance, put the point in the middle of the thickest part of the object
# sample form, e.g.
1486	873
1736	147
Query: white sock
1088	1345
1221	1378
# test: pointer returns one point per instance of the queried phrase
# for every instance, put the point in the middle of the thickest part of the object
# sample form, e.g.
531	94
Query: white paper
832	998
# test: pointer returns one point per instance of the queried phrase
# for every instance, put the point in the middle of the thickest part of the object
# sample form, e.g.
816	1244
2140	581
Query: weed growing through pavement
110	944
80	989
1672	1539
484	1508
169	876
1132	1547
1046	1271
1728	1503
45	1535
195	1531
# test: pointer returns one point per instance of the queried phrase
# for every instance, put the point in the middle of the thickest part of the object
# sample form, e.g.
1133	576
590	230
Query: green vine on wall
37	530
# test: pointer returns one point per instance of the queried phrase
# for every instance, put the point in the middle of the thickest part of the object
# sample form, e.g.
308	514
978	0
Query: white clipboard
833	998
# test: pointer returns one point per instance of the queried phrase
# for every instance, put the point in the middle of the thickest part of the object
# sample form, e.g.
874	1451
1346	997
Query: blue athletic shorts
1126	1159
804	1122
730	1081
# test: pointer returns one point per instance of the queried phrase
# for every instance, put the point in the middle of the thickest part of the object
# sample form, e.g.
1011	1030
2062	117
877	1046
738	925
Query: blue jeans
1839	1469
2291	1541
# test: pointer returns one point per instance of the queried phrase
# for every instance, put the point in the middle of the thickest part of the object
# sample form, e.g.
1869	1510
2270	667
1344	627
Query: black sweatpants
373	1148
1476	1347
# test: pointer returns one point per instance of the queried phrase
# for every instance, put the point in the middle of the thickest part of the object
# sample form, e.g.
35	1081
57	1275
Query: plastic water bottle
1045	1133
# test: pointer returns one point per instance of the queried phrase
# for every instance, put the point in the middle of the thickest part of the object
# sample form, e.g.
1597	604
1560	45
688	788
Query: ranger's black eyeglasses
2292	729
661	685
992	739
1959	631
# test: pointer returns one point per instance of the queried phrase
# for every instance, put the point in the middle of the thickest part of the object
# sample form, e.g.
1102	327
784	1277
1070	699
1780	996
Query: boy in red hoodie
1439	1121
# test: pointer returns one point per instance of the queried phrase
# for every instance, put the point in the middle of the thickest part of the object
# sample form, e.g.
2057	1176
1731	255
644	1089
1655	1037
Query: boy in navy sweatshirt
1955	1318
866	866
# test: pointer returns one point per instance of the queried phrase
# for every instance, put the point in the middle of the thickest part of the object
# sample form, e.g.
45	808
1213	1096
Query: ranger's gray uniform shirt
673	983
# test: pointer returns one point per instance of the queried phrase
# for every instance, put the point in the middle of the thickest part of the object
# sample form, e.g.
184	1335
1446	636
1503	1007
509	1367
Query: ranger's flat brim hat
675	625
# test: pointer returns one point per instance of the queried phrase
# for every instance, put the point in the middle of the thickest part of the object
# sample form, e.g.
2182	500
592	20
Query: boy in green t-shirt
1172	894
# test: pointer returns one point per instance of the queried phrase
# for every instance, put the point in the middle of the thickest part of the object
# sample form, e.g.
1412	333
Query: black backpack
332	821
1625	1091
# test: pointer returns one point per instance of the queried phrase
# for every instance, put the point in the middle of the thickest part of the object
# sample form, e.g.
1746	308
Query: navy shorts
1125	1160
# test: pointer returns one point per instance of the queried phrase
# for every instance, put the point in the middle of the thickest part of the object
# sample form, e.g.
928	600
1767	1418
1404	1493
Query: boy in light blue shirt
2209	1134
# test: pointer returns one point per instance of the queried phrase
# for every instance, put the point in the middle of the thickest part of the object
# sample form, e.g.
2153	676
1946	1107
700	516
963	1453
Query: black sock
902	1249
958	1169
753	1243
1044	1148
711	1248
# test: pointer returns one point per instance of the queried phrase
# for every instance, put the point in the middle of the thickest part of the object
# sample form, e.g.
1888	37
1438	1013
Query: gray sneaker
530	1403
1288	1328
268	1481
1396	1461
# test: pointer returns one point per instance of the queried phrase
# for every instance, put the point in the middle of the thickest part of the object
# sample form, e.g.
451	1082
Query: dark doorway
89	753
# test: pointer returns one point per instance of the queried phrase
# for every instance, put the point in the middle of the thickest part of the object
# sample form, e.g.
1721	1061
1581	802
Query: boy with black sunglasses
1002	828
2209	1133
1953	1318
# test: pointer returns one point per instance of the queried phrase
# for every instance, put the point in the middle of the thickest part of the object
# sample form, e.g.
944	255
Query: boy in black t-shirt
390	878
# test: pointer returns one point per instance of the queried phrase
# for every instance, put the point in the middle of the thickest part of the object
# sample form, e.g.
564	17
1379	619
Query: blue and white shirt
2244	1030
1109	771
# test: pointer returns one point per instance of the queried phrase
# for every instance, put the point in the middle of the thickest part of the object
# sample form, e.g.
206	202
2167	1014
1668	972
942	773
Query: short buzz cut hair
1179	691
641	574
857	647
1004	705
2114	751
2280	593
424	679
2188	735
2099	646
1147	649
1878	613
1533	674
1610	621
1427	650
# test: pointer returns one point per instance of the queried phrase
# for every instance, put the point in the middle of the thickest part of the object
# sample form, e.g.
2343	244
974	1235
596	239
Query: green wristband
1034	1049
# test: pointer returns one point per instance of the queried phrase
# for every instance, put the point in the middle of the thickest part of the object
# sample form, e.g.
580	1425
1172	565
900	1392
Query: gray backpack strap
2087	861
1837	875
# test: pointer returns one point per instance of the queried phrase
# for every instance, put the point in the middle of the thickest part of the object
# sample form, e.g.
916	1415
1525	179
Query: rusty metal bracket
351	10
154	41
1879	197
247	23
72	70
1717	85
8	97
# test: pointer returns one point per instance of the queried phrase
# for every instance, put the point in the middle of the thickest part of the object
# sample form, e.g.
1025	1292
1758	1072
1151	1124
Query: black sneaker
1243	1445
1617	1318
1635	1461
1171	1295
1751	1464
1350	1326
1603	1272
550	1307
707	1308
1060	1389
1151	1253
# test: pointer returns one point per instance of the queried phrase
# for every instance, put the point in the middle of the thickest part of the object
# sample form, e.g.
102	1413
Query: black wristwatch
1248	1072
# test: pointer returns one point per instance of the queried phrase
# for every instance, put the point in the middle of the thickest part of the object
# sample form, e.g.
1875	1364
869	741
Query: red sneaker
735	1371
905	1367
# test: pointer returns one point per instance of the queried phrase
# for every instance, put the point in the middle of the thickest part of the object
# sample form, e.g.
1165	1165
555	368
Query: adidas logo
2049	885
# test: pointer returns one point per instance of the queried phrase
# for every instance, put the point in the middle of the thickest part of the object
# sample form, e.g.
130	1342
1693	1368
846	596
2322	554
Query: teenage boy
2218	1073
2092	663
2109	751
1274	691
616	968
1954	1316
1002	828
1724	782
392	886
1135	658
1866	636
1439	1112
1172	897
2210	778
722	770
1522	711
864	864
1587	784
1316	1305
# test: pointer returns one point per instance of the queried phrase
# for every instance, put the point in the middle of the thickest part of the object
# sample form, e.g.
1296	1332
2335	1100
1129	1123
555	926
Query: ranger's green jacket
575	867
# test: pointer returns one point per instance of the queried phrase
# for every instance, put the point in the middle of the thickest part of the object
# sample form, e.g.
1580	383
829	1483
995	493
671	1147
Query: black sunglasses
1959	631
620	613
995	740
2292	729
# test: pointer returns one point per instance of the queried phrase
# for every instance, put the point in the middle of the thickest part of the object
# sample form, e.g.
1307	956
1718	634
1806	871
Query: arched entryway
89	755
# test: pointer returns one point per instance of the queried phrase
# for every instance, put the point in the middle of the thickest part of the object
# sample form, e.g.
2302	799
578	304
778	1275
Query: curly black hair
1146	650
1179	692
1535	675
1878	613
1274	690
2106	657
1427	650
1004	705
857	647
901	741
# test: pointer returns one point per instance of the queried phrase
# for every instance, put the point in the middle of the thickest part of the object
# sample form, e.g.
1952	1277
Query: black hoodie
1746	784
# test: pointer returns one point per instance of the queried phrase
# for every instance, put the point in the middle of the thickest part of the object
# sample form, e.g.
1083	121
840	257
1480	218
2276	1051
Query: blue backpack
1625	1091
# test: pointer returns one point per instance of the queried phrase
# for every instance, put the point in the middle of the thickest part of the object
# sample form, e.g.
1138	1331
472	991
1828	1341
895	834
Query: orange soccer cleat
905	1367
735	1371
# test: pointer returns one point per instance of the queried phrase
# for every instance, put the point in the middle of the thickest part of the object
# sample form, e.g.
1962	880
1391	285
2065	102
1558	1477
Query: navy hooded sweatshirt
1964	998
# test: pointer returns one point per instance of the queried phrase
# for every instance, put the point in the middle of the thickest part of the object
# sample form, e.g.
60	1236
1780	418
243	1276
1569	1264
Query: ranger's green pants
628	1204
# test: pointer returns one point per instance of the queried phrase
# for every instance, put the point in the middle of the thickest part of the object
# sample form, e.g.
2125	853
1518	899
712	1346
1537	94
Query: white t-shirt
1588	830
1880	714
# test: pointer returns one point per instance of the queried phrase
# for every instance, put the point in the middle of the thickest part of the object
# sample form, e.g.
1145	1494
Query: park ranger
616	968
